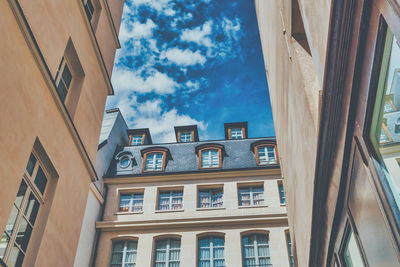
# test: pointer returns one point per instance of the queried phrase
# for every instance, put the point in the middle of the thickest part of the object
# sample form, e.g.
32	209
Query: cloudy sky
186	62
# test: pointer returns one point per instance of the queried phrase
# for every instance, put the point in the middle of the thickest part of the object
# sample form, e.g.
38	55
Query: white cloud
199	35
192	86
231	28
184	57
128	80
136	30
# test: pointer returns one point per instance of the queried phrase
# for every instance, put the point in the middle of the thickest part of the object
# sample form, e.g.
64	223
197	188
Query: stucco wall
295	81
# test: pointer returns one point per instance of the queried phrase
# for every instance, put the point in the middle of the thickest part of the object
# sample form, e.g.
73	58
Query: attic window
154	159
210	156
298	31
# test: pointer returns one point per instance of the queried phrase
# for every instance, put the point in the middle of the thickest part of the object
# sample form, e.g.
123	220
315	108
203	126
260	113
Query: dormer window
185	137
210	156
266	155
154	159
236	133
136	140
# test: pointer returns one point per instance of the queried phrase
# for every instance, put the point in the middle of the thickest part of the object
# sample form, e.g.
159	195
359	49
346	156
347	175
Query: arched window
210	156
167	252
256	250
211	251
265	152
123	253
154	159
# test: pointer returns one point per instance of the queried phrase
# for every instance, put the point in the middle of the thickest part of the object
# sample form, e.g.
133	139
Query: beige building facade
181	204
332	69
56	62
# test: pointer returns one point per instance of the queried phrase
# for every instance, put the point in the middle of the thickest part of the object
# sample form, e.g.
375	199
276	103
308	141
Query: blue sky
186	62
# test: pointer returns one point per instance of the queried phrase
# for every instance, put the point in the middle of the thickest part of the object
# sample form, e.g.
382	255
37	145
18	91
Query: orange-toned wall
29	111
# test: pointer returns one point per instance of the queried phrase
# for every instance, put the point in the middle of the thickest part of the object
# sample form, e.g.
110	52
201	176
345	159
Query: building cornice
96	48
42	66
176	223
191	176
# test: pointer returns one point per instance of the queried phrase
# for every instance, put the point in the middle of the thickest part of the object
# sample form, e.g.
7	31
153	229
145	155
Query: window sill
166	211
249	207
128	212
214	208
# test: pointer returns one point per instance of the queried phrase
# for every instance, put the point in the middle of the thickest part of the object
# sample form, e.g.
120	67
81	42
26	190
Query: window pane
11	220
16	257
31	164
384	129
62	90
3	244
20	194
24	234
41	180
352	254
32	209
67	76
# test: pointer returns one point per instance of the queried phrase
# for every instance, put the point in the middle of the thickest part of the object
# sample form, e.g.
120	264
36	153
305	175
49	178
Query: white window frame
168	251
263	160
207	160
22	207
290	249
211	201
64	64
185	137
255	245
211	247
251	195
154	166
131	207
236	133
124	252
170	197
136	140
282	197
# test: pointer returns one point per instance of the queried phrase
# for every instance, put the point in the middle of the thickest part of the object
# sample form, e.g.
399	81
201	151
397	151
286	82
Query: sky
185	62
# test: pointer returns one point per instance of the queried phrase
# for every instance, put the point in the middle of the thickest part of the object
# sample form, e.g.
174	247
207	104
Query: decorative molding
96	192
47	77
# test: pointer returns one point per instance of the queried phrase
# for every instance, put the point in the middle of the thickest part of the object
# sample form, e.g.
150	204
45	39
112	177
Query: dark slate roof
182	157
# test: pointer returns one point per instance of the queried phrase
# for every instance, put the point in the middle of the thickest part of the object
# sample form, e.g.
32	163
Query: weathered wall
295	80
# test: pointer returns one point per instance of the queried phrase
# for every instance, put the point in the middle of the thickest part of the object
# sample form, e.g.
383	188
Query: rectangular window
21	222
167	253
385	125
185	137
290	249
210	158
154	162
256	251
266	155
132	202
251	195
211	198
123	254
211	252
237	133
136	140
281	193
64	79
170	200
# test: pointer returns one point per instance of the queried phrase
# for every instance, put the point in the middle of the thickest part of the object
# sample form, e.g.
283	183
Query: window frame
210	190
125	246
186	132
59	78
290	249
251	194
210	148
148	151
281	189
167	250
171	191
211	247
131	136
256	247
266	146
237	137
131	200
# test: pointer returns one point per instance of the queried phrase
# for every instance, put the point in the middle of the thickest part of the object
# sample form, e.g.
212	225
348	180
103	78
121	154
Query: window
384	132
266	155
21	222
351	253
136	140
236	133
185	137
154	162
124	162
167	253
64	79
211	198
170	200
89	8
256	250
210	158
132	202
251	195
211	252
123	254
281	193
290	249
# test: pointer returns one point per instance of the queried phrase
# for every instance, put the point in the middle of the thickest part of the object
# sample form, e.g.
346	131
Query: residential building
192	202
333	80
56	61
